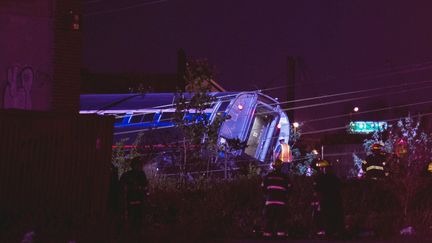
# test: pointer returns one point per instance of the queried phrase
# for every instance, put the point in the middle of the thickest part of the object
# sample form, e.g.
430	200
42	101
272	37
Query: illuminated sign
366	126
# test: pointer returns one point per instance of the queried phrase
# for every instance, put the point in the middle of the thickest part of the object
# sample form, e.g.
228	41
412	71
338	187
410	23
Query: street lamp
295	126
355	110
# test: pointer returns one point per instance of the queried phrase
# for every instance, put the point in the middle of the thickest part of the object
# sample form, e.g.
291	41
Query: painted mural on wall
18	87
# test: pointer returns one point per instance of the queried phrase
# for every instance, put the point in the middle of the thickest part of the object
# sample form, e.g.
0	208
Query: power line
414	67
350	99
313	98
328	95
355	92
356	98
307	106
368	111
303	133
294	108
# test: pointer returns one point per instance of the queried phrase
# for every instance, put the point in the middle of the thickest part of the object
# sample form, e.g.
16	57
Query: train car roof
132	101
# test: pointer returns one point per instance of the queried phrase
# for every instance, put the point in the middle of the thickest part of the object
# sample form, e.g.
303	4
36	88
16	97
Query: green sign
366	126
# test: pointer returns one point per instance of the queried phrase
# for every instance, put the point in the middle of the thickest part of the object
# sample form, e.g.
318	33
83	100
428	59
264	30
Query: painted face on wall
27	78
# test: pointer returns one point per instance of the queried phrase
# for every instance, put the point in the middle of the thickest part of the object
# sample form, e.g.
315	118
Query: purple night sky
341	45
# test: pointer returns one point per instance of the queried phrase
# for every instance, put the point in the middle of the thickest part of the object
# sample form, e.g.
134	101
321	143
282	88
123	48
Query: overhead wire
294	108
303	133
338	128
355	92
307	99
355	98
315	97
367	111
363	76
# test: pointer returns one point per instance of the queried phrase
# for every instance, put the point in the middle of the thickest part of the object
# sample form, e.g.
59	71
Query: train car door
240	116
264	120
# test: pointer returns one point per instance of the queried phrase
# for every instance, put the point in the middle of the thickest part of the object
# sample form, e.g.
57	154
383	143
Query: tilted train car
254	118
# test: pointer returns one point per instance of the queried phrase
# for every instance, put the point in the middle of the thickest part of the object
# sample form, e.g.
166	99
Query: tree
200	133
410	151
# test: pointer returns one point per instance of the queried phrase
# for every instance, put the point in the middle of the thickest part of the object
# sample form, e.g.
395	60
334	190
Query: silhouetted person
276	186
134	193
327	188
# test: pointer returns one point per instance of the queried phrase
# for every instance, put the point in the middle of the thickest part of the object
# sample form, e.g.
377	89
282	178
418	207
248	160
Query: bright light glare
356	109
240	107
296	124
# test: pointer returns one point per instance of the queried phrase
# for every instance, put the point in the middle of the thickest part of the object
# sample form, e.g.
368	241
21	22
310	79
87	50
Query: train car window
148	117
188	117
240	114
222	108
194	117
136	118
119	118
167	117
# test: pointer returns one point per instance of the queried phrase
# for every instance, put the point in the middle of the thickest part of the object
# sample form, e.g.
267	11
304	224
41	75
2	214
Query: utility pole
181	69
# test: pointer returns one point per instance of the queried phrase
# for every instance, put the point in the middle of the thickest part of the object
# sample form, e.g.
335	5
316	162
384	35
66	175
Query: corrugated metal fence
56	162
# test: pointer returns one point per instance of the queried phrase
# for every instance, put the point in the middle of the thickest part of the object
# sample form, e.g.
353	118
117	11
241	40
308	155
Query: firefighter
283	155
276	186
134	192
328	204
375	164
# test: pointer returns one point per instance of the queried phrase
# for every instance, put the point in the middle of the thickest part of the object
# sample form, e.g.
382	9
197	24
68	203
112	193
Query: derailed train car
253	117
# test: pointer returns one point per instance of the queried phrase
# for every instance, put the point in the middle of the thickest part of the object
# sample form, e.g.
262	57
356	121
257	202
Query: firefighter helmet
322	163
430	167
376	147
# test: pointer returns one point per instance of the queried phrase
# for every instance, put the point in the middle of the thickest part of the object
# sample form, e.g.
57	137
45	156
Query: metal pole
322	151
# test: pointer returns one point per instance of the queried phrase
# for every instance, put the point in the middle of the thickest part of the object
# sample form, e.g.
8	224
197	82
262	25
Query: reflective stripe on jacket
285	154
374	167
274	203
276	187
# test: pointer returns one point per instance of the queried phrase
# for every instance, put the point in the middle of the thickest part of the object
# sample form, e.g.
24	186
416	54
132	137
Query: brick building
51	157
40	45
